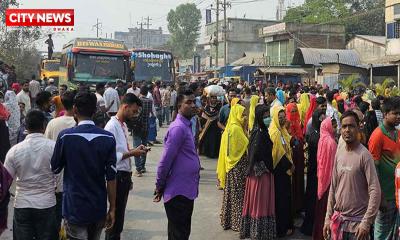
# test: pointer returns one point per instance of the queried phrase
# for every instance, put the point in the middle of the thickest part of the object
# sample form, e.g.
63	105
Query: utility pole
225	5
98	26
148	19
217	36
141	33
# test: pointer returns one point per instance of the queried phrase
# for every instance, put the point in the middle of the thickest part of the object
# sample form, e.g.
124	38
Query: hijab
326	156
234	143
253	103
303	106
281	96
294	119
280	138
260	147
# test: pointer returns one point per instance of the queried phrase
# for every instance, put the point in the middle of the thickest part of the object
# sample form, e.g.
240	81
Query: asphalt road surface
145	220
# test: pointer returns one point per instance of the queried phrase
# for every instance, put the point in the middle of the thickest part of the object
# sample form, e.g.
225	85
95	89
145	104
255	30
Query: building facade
392	19
143	38
368	47
282	40
241	36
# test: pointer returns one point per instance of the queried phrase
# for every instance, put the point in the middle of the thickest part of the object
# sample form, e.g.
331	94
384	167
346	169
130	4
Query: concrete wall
392	44
366	49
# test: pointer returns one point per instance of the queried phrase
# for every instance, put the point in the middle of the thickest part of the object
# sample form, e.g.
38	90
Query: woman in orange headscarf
297	144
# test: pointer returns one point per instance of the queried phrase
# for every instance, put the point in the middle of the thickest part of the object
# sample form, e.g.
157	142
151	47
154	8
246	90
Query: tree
184	26
16	45
359	17
351	82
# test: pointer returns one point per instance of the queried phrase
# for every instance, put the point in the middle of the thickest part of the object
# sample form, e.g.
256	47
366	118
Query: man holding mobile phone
178	172
129	108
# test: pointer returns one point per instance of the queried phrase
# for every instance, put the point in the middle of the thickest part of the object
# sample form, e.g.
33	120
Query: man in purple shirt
178	171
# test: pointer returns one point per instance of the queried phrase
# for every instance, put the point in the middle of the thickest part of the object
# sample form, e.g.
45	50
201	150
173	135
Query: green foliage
381	88
184	26
394	92
351	82
17	46
359	17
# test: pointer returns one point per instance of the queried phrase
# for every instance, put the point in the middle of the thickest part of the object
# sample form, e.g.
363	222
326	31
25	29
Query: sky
118	15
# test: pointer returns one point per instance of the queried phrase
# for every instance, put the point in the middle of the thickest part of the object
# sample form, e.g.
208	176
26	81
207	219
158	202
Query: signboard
98	43
274	28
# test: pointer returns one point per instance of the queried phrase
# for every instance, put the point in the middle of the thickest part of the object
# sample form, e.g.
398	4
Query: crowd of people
282	152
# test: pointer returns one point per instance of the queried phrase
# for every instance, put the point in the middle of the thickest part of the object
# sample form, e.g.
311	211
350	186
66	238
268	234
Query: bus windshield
51	66
152	65
98	67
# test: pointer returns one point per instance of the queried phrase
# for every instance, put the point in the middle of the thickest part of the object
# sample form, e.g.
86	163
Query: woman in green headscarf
303	106
232	166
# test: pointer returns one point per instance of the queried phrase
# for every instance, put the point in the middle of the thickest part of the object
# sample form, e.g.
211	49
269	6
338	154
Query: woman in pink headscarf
325	159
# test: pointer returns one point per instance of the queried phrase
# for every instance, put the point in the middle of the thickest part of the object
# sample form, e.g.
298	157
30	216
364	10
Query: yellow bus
94	60
50	69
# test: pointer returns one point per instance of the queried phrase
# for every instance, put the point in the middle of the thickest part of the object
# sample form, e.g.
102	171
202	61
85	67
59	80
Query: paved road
145	220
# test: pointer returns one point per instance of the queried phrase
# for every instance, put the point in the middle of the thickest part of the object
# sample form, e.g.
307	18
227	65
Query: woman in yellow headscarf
303	106
283	168
232	166
252	112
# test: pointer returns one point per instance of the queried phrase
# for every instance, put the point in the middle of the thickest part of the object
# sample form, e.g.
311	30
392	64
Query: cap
51	80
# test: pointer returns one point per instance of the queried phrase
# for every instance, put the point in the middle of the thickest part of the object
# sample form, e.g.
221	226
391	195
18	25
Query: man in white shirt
29	163
330	110
134	89
51	87
53	129
111	98
129	108
272	100
23	97
34	89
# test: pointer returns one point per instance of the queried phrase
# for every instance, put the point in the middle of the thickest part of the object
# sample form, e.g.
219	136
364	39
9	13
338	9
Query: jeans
140	162
31	223
124	184
59	216
159	112
84	232
166	114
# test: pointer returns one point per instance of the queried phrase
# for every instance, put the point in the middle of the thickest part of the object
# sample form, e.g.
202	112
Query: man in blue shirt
88	156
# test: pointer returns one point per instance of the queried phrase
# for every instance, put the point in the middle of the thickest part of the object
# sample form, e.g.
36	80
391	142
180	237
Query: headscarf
260	146
4	113
278	136
326	156
16	87
59	105
234	143
303	106
294	119
11	103
281	96
311	109
252	112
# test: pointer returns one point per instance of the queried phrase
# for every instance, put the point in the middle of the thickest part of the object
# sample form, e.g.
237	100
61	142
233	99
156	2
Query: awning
237	68
283	71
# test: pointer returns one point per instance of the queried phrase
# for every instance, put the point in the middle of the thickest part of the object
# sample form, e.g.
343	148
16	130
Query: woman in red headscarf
297	144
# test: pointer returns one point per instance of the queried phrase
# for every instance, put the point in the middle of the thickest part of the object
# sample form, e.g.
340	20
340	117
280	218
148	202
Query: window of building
396	9
397	29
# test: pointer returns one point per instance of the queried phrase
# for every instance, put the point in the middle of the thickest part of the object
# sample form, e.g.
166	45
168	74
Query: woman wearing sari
283	168
325	159
280	95
14	122
310	112
303	107
232	168
258	216
297	144
312	138
210	136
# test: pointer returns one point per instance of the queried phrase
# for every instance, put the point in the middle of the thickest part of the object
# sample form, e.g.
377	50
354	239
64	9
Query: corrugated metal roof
250	58
283	71
316	56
